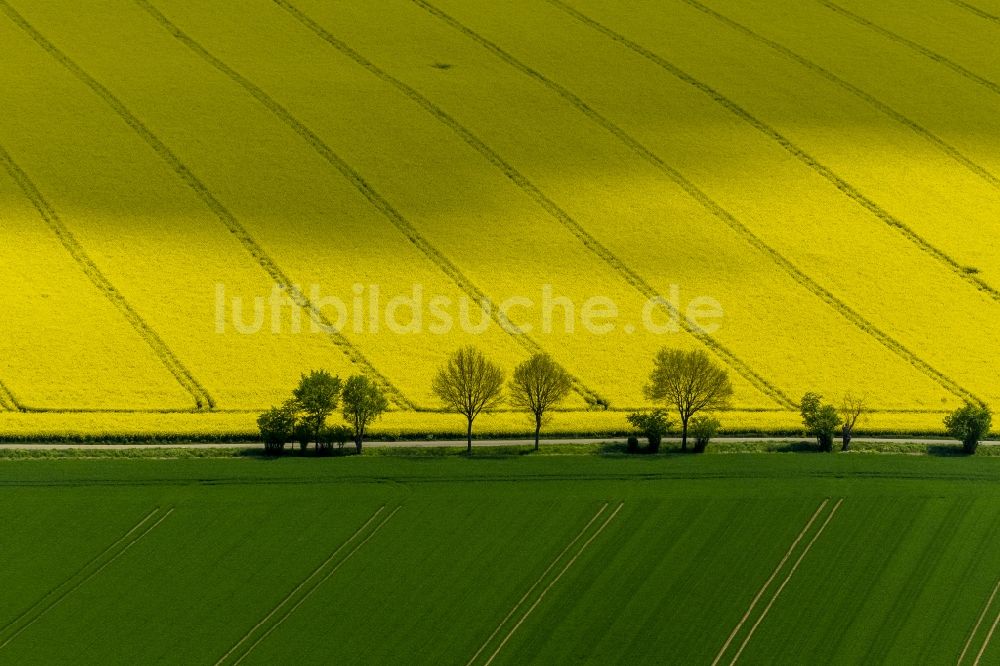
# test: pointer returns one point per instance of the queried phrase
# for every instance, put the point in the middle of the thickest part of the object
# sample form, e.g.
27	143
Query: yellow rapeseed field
198	203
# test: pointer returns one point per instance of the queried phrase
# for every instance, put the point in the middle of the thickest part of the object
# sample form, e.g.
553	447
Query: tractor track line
979	622
8	401
552	583
828	298
379	202
315	587
945	147
211	202
981	13
793	149
767	583
69	242
90	576
302	584
986	641
538	582
781	587
80	571
550	207
912	45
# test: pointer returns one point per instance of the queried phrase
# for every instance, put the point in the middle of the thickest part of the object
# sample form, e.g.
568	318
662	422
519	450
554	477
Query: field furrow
782	201
148	232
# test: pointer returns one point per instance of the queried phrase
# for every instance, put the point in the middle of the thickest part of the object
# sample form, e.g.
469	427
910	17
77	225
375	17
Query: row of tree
686	383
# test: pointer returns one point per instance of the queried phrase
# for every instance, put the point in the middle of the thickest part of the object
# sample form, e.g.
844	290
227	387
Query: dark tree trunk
358	439
684	434
846	446
468	438
538	429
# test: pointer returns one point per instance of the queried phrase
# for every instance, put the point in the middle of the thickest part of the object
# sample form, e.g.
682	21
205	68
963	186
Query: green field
687	560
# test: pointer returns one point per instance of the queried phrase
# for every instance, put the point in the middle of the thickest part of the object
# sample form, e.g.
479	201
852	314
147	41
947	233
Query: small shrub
703	429
303	434
969	424
632	445
338	435
276	428
653	425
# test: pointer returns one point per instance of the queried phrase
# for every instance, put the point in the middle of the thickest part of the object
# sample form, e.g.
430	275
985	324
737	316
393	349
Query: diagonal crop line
62	597
767	583
361	185
80	571
793	149
986	641
51	218
221	212
712	207
979	622
538	582
781	587
909	43
302	584
8	401
945	147
315	587
551	584
591	243
981	13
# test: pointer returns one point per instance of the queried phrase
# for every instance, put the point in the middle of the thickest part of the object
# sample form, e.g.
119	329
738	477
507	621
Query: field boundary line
538	582
979	622
88	577
781	587
767	583
986	641
947	148
54	222
379	202
234	226
79	571
547	204
552	583
315	587
981	13
914	46
790	147
712	207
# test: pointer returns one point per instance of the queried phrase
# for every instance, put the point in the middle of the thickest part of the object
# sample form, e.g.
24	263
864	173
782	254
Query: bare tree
852	409
538	385
690	382
469	384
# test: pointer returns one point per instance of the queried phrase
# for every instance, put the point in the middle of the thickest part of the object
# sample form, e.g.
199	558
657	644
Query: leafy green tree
653	425
469	384
364	403
703	429
277	427
820	420
538	385
690	382
969	424
316	397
